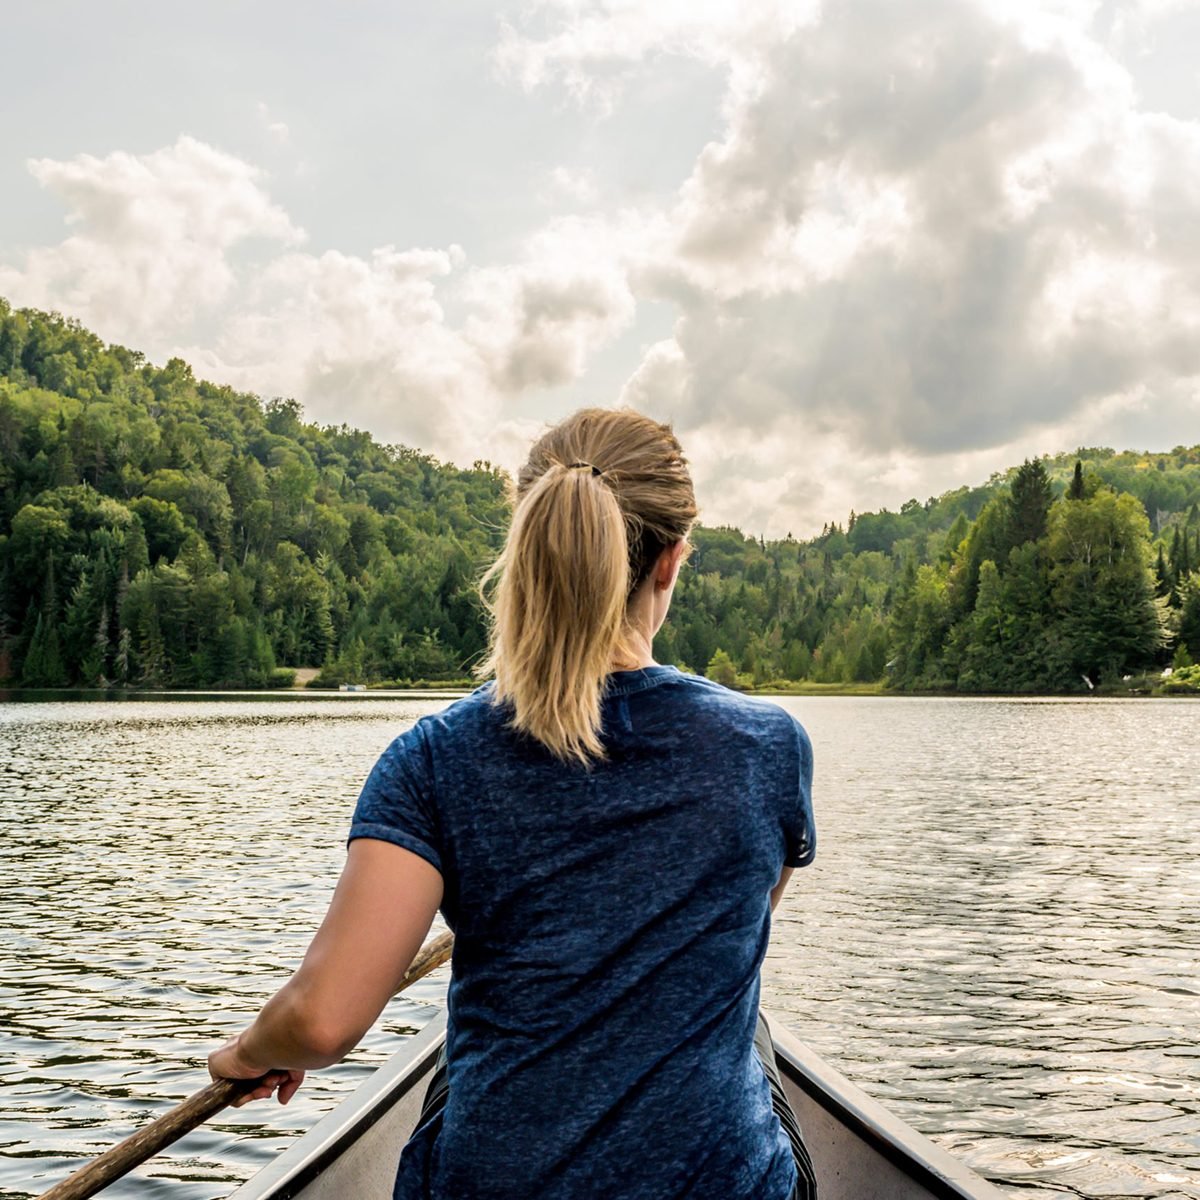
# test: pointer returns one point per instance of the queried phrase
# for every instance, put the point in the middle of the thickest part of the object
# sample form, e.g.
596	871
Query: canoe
860	1151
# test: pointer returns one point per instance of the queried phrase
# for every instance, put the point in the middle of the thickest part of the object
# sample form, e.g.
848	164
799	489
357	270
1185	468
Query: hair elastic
595	470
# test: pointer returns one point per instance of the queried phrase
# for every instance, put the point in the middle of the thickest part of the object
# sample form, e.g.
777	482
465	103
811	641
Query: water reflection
998	940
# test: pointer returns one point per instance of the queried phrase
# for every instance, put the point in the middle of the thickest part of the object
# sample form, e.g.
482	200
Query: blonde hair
603	494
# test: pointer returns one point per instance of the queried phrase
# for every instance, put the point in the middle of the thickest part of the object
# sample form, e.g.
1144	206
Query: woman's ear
667	567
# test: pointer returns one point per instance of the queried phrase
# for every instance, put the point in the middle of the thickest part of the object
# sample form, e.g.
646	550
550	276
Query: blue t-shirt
609	928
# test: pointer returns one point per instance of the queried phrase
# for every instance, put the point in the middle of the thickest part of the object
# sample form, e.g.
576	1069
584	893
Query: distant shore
1142	688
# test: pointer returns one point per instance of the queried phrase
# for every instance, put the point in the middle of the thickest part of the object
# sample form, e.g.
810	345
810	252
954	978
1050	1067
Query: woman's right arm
381	911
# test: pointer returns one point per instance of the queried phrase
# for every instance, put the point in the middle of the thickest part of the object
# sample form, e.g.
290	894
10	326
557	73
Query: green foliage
1029	504
1185	682
1076	490
1189	614
159	530
720	669
1103	588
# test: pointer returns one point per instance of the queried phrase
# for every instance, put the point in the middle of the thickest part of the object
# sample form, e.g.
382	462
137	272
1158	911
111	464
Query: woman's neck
639	652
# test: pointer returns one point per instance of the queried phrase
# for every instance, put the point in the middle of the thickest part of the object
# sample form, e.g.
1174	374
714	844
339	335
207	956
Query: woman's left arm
381	911
777	891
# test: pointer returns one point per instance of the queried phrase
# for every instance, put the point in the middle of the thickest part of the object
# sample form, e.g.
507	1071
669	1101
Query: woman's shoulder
720	715
463	716
714	695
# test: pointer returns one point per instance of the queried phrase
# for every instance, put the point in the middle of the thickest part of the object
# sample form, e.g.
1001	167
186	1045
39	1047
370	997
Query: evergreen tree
1076	490
1103	586
1164	585
1189	615
1029	503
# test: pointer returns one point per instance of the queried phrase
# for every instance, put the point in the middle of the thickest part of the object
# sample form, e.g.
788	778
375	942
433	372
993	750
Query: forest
158	531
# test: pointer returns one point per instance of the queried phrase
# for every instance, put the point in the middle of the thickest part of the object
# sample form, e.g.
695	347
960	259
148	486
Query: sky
855	251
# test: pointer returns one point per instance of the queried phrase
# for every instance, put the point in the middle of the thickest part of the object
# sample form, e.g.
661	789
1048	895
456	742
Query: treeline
1047	579
157	530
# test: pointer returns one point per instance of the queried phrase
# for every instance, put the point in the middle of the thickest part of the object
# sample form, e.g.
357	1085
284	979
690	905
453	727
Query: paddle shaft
199	1106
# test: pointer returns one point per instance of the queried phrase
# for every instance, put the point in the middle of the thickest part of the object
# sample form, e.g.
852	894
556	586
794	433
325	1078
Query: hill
157	530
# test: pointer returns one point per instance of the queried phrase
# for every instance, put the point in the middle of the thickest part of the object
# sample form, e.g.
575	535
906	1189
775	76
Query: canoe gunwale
946	1177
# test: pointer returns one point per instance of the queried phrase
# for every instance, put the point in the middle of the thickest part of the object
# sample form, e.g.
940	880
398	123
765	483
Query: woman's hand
230	1062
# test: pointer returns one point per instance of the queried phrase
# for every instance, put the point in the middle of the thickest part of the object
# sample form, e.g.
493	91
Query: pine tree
1162	575
1176	555
1076	490
1189	615
1029	503
43	666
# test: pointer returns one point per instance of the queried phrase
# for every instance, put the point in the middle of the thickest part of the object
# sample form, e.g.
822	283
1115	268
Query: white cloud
153	235
926	240
362	340
929	234
590	47
538	321
359	340
576	186
935	231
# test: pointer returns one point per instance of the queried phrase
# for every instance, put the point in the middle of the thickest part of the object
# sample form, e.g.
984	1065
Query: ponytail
559	612
575	551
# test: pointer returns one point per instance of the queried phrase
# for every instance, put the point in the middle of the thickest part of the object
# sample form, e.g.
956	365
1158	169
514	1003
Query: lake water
999	940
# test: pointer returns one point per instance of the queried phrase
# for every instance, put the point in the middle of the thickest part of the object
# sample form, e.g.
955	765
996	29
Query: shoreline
429	688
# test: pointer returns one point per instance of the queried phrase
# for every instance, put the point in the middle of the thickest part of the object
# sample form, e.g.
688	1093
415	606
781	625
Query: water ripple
999	939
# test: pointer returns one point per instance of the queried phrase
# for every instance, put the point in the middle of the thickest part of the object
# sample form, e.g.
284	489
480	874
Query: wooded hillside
157	530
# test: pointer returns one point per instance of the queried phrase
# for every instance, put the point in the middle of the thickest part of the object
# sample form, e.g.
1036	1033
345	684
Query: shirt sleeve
397	801
801	829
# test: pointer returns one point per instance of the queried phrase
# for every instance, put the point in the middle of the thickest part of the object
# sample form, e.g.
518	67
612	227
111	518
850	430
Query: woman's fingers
287	1083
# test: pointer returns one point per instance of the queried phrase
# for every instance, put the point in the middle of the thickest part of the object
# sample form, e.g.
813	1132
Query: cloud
934	231
537	322
928	234
592	47
576	186
359	340
924	240
153	235
367	340
182	251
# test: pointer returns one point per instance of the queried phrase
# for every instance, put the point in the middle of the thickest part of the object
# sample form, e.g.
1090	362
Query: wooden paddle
198	1107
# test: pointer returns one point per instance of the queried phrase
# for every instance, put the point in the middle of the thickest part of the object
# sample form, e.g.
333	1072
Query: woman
606	837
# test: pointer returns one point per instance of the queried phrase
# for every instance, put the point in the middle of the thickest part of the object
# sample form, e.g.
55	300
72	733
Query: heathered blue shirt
609	928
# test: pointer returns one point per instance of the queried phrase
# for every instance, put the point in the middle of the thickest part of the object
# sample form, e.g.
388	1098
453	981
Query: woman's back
606	837
610	923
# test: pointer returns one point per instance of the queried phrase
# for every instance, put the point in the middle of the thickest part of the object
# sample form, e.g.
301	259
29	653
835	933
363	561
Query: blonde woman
607	837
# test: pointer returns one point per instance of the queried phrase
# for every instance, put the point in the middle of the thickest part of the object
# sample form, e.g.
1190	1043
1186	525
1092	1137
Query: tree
197	533
1103	585
1189	615
1029	503
43	665
164	526
721	670
1076	490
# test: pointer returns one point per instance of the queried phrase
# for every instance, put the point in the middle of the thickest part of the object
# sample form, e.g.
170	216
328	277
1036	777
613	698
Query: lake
999	938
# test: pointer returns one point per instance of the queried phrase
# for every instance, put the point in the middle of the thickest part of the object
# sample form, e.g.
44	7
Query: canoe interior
859	1150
